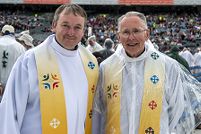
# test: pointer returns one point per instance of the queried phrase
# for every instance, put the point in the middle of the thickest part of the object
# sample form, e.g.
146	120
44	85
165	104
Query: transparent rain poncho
192	88
181	99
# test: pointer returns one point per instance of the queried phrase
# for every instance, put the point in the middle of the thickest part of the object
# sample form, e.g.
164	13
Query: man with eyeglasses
140	90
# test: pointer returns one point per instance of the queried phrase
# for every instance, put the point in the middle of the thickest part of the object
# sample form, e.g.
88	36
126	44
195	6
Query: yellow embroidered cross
54	123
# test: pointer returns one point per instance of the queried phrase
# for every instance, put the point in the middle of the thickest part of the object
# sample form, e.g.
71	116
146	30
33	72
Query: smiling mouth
132	44
70	38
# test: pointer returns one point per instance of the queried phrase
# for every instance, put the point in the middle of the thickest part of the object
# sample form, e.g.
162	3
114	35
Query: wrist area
1	89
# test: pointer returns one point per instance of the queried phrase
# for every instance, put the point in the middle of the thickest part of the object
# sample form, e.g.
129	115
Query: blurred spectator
106	52
93	46
174	53
26	40
10	50
187	55
198	58
24	32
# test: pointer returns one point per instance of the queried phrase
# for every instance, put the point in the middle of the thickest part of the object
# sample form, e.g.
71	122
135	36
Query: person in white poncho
10	50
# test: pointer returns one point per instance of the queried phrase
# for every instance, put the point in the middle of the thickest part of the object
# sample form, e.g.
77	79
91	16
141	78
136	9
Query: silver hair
132	13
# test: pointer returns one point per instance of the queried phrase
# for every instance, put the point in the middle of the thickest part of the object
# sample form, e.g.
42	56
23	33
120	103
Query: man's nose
71	31
131	36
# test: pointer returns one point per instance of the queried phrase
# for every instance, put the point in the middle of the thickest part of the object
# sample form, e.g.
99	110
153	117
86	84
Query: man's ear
118	37
147	34
53	26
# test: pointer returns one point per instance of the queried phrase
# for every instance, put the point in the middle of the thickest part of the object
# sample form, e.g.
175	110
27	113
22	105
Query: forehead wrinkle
135	19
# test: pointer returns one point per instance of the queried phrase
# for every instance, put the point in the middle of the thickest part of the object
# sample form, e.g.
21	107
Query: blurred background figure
197	62
26	40
174	53
197	57
92	45
10	50
187	55
106	52
24	32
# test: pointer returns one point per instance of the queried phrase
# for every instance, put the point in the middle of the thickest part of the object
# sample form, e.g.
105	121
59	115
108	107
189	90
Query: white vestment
10	50
188	57
198	59
173	105
20	106
96	47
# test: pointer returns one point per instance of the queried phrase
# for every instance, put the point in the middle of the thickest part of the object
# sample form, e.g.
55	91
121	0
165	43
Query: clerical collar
141	57
58	48
76	47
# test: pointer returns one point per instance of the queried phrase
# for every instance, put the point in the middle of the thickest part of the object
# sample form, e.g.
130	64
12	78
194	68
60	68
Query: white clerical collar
61	50
134	59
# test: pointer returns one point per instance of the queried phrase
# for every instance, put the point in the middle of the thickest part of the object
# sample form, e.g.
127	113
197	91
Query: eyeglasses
135	32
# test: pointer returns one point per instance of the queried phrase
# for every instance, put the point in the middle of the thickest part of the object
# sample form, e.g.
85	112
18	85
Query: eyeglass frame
133	33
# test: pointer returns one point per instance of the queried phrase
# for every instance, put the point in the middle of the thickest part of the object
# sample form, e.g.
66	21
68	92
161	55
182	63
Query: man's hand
1	89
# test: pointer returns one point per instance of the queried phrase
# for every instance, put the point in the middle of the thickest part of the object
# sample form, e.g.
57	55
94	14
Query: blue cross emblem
154	79
154	55
91	65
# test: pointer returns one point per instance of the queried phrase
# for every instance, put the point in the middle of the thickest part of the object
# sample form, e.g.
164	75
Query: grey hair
132	13
108	43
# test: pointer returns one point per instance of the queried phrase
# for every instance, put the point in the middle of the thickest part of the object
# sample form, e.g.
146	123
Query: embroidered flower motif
154	79
152	105
112	91
149	131
54	123
154	55
91	65
50	82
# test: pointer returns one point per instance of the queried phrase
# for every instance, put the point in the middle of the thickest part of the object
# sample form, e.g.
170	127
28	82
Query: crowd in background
175	34
178	28
181	28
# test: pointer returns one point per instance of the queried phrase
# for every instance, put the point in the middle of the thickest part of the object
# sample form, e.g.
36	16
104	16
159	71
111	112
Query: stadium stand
180	25
172	22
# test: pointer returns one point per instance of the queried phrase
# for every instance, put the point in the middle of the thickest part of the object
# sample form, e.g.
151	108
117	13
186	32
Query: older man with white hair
141	90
